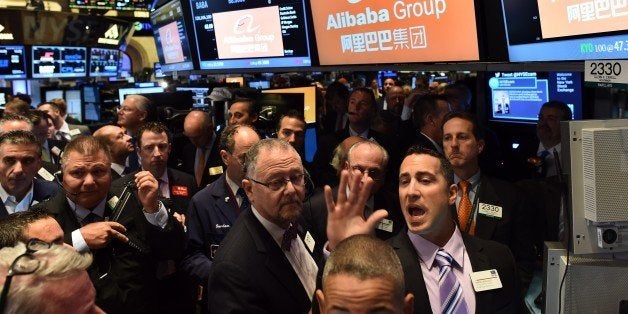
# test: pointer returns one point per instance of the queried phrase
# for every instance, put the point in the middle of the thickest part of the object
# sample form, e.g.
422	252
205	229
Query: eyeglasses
23	265
280	184
374	174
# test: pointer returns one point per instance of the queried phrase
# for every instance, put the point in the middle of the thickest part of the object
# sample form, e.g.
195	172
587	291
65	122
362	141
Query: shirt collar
364	134
65	128
118	168
82	212
550	149
232	185
474	180
26	201
427	250
275	231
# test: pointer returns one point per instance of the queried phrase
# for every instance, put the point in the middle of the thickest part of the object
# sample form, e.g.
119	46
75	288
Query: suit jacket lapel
276	261
485	226
3	210
479	262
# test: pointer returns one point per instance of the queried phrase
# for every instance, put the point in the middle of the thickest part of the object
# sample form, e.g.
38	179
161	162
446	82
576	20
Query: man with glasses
127	239
365	159
133	112
265	264
214	209
41	278
26	225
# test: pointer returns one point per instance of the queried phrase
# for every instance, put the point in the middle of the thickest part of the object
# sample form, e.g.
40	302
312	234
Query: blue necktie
245	200
451	298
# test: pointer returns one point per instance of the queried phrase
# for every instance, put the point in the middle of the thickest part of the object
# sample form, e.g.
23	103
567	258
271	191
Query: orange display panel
575	17
371	31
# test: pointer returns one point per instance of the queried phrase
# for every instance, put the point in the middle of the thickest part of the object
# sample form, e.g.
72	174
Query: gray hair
141	102
373	144
250	161
27	293
366	257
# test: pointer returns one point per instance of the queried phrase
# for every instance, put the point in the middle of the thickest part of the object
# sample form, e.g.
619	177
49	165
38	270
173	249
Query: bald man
198	153
120	145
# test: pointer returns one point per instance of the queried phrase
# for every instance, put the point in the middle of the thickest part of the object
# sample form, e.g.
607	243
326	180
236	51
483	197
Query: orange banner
574	17
171	43
371	31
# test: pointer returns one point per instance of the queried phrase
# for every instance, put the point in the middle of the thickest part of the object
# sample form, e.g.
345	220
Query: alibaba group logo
244	24
353	1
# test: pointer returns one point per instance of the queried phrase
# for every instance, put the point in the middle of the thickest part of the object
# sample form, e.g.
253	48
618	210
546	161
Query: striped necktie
451	298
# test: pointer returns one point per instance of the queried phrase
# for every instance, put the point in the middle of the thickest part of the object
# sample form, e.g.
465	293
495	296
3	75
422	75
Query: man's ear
225	157
481	144
247	186
321	300
408	304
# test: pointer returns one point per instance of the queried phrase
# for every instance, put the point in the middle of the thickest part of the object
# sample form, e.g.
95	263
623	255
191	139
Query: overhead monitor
122	92
547	30
518	96
171	37
251	34
373	31
59	61
12	62
123	5
199	94
103	62
91	103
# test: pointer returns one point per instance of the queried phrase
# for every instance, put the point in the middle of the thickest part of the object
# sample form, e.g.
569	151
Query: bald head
198	128
119	143
340	153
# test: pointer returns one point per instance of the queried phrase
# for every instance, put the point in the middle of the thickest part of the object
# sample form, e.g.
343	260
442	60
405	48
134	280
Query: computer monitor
91	103
58	61
199	94
74	102
12	62
103	62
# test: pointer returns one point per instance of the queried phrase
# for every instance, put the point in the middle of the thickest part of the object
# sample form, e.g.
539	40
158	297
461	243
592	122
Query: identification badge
56	150
112	202
45	174
212	250
179	190
75	132
385	225
215	170
485	280
489	210
309	242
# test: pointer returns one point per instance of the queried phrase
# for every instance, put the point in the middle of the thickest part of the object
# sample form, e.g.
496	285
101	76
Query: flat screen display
259	84
91	103
171	37
402	31
53	94
518	96
74	101
103	62
548	30
12	62
140	5
198	95
251	34
59	61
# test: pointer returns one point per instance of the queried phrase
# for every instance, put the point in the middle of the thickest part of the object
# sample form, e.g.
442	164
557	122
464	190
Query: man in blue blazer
214	209
20	158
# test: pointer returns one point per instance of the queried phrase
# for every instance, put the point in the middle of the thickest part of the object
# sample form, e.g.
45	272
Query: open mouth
416	211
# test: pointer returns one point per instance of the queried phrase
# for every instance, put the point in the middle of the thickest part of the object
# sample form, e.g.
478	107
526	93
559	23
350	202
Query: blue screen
518	96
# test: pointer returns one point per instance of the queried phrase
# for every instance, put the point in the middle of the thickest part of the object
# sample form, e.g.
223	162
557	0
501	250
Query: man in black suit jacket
120	146
19	161
174	290
426	194
361	111
428	112
200	145
498	209
251	272
126	239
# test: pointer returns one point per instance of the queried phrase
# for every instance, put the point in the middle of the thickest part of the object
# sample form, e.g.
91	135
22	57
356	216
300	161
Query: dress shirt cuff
158	218
78	242
406	113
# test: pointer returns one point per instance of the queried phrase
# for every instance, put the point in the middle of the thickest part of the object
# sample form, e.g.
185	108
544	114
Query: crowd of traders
155	210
